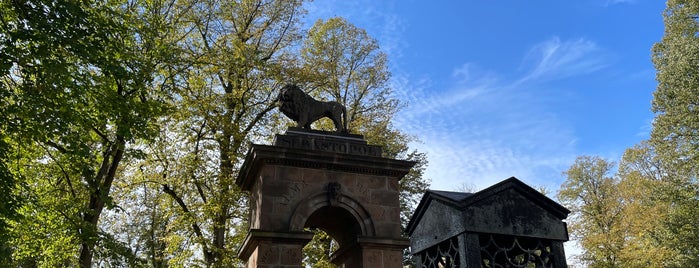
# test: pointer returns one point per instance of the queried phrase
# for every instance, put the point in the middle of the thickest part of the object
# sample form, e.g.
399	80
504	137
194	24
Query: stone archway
299	183
341	217
334	207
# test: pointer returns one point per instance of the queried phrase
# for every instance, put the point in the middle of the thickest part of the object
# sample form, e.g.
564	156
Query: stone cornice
260	155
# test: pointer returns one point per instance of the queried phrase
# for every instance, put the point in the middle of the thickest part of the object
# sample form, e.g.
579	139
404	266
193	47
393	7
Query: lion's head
291	99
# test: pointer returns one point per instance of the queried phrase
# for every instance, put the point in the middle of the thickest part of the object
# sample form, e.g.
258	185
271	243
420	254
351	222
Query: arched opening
336	225
333	228
341	219
336	222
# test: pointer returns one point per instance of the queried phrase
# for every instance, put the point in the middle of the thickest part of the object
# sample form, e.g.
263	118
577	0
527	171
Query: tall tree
591	194
237	53
675	133
342	62
642	178
83	85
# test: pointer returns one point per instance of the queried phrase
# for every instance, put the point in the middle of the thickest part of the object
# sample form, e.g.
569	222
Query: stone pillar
337	183
469	250
559	254
274	249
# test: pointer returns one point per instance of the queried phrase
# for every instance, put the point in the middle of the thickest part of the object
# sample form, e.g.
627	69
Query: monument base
326	180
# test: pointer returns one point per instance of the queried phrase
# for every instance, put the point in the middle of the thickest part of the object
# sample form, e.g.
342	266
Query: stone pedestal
314	179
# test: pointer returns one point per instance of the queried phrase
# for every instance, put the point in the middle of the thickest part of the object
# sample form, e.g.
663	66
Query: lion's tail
344	119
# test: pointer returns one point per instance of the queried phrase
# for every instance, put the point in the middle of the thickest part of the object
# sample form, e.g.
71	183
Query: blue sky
514	88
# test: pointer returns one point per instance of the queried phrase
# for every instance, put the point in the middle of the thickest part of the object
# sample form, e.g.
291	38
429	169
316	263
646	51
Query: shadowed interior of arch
336	222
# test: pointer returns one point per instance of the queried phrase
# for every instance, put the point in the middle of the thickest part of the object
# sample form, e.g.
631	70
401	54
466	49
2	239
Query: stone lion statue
302	108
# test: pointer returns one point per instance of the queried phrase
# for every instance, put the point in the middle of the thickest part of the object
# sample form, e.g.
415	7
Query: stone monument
333	181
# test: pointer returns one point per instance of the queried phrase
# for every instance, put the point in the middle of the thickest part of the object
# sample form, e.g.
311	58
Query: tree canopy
675	133
124	123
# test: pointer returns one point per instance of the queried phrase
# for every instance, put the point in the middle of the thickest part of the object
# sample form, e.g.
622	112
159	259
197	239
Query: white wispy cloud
484	128
555	59
374	16
614	2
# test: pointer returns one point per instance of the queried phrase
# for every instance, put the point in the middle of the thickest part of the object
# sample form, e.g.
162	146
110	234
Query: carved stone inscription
328	145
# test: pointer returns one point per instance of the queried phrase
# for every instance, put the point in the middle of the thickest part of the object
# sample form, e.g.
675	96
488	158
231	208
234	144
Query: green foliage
82	84
124	123
642	178
675	133
234	56
317	252
628	220
342	62
676	100
592	196
345	64
9	201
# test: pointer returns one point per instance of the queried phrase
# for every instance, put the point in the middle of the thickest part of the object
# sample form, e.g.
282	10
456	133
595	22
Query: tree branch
195	226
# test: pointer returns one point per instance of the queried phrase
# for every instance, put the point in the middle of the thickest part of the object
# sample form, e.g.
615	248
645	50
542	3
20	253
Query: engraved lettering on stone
362	189
293	192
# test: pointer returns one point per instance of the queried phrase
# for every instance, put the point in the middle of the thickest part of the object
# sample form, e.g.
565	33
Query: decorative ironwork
499	251
444	254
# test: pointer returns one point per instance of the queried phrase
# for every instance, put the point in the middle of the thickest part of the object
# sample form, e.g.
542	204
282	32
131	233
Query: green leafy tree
235	55
9	200
592	195
341	62
83	84
642	176
317	252
621	221
675	133
126	122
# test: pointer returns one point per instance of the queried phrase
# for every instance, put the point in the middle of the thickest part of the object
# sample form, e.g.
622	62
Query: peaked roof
454	196
461	200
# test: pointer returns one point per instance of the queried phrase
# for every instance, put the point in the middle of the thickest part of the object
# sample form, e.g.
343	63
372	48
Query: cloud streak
373	16
554	59
615	2
484	129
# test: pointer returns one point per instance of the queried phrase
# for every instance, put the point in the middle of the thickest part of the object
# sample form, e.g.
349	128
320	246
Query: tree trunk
85	255
101	188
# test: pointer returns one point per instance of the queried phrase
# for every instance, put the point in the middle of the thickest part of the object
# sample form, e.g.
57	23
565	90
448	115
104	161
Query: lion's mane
291	100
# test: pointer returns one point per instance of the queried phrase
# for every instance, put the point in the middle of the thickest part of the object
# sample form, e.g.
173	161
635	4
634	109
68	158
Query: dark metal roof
461	200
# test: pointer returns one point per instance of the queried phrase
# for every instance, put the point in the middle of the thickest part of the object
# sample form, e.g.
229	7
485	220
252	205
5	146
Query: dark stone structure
327	180
506	225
